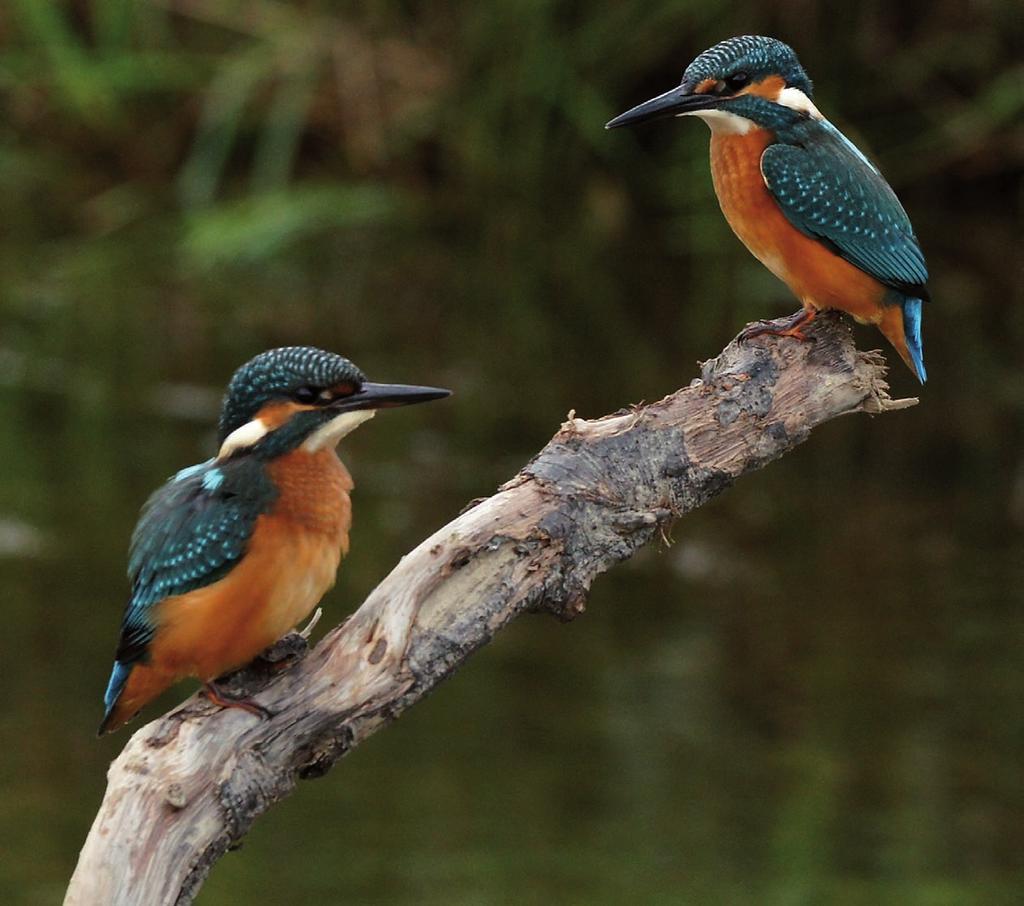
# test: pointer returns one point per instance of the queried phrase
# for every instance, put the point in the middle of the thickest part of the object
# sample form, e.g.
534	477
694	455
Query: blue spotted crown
757	55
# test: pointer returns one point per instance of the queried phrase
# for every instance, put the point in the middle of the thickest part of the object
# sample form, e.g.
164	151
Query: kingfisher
229	555
799	194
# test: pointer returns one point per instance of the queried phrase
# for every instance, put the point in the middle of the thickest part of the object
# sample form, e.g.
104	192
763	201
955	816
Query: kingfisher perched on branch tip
232	553
799	194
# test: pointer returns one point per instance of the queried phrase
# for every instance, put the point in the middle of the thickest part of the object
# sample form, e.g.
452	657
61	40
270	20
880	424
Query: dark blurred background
813	695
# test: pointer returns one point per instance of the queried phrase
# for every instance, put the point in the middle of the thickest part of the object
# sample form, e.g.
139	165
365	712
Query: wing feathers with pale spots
828	190
191	532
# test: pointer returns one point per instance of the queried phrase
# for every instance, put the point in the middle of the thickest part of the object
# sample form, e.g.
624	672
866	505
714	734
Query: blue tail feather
118	677
912	332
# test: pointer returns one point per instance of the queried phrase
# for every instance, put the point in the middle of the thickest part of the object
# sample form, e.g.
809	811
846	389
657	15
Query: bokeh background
815	694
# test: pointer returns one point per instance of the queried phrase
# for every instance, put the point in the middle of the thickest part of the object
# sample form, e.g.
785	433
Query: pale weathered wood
188	785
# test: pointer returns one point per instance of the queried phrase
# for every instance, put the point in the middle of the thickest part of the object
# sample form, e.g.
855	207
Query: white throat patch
723	122
328	435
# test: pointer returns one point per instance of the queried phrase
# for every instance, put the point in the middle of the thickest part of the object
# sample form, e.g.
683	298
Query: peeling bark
189	785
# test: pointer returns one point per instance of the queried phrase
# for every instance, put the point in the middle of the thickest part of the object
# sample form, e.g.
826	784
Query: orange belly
818	277
290	562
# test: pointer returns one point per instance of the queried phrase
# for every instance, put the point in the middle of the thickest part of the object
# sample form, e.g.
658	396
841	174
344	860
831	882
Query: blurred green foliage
812	697
263	135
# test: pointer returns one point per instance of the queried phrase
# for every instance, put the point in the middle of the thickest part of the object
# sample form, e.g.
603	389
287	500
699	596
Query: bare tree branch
189	785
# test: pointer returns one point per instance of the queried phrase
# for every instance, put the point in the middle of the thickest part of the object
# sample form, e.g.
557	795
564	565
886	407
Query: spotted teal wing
191	532
828	190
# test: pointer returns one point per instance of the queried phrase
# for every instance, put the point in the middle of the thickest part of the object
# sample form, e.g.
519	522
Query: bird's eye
306	395
737	80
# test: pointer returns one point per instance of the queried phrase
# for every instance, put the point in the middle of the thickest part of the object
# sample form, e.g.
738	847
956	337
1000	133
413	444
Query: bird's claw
793	326
216	696
754	330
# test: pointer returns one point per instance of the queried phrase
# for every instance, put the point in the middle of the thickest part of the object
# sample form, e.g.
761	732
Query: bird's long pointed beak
386	396
672	103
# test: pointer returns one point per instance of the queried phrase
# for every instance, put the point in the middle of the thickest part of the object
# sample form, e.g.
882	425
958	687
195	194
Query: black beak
672	103
387	396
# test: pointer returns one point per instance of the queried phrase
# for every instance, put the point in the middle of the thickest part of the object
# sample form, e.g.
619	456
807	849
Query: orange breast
817	276
291	561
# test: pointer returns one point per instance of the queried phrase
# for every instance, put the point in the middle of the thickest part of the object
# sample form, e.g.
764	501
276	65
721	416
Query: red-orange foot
793	326
219	698
276	667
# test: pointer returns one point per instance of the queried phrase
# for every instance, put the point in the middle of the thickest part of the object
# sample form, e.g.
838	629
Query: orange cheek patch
768	87
275	414
341	390
707	86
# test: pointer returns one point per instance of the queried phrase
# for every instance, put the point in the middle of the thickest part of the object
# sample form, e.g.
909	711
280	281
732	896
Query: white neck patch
328	435
246	436
795	99
723	122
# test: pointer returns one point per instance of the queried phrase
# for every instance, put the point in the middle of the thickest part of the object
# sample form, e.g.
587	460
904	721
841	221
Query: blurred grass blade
257	227
78	84
220	124
113	22
282	131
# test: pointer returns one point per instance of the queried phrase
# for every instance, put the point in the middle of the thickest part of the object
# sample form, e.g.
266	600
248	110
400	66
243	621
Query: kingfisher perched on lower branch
232	553
799	194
